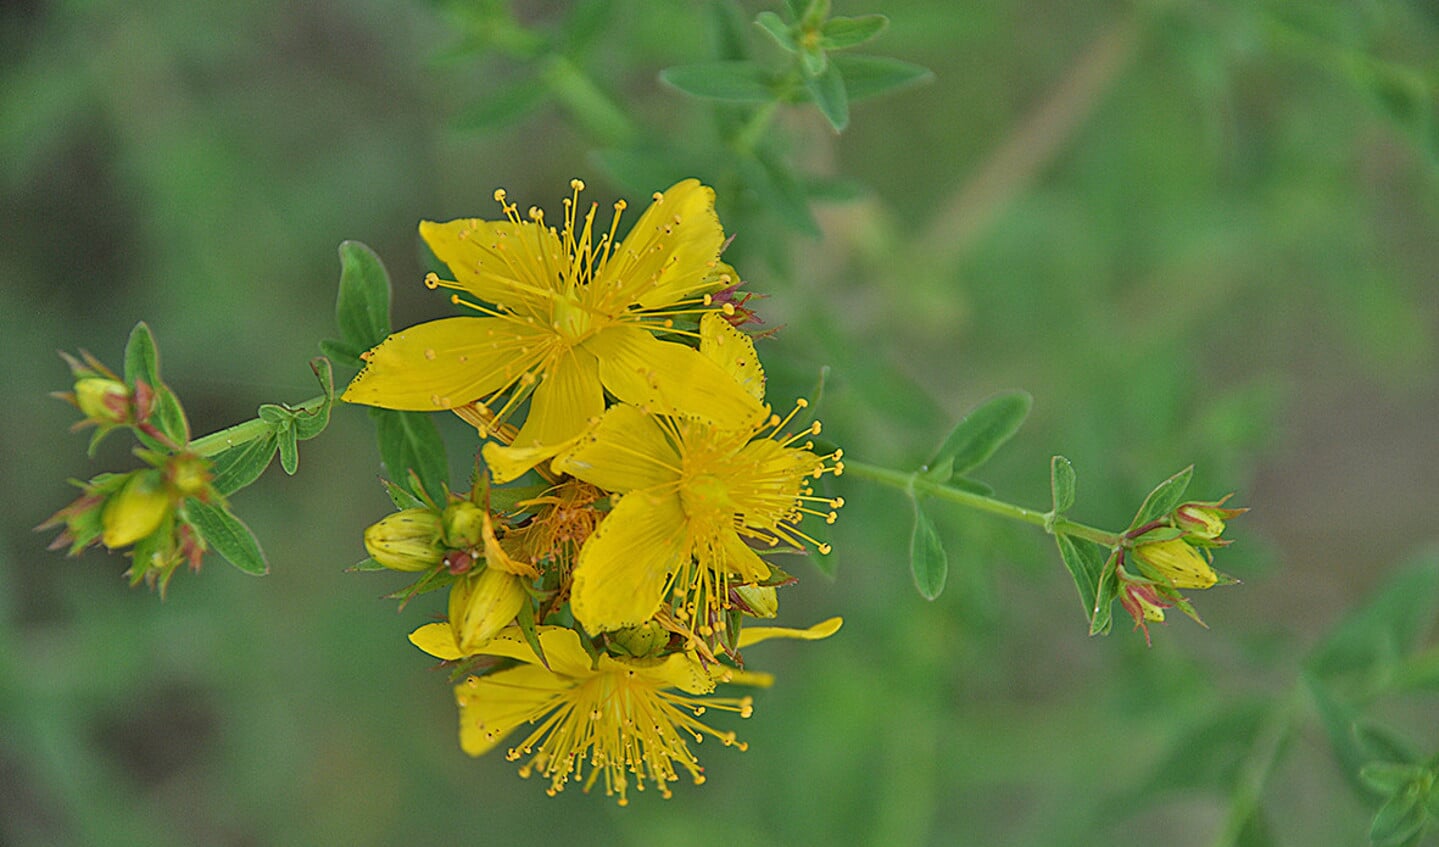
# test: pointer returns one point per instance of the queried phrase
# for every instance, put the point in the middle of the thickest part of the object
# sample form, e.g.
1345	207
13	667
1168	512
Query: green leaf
289	450
241	465
1389	777
973	486
841	32
735	81
309	424
228	536
366	565
868	76
927	559
169	415
362	307
526	621
829	95
1086	561
974	439
812	61
1366	646
1165	496
777	29
1401	818
1061	484
142	360
502	108
409	441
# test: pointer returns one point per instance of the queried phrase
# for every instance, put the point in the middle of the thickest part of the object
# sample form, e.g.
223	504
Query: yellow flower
1178	562
564	316
694	495
611	719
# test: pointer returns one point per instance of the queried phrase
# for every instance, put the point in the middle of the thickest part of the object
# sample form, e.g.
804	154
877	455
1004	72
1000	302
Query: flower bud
406	541
1143	604
1178	562
464	524
1204	521
640	642
102	400
136	510
760	601
189	475
482	604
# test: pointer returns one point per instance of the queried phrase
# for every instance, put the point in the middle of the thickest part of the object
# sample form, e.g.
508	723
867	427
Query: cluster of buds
1173	552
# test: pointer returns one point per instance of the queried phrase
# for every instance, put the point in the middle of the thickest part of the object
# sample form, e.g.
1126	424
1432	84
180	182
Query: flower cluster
603	602
1170	553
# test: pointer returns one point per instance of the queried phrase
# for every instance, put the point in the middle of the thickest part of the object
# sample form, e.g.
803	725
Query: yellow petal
670	253
677	670
755	634
443	364
741	559
567	398
625	451
561	644
670	379
733	351
497	558
620	578
491	707
500	262
437	639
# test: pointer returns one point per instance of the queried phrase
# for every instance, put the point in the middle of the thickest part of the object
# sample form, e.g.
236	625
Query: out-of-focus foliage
1195	232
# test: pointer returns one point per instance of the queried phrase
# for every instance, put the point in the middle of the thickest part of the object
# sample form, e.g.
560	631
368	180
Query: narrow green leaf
812	60
1061	484
1165	496
241	465
1389	777
498	109
777	29
735	81
1401	818
142	360
366	565
1365	647
228	536
289	451
362	307
868	76
526	621
169	415
974	439
927	559
410	442
973	486
1085	561
829	95
312	423
841	32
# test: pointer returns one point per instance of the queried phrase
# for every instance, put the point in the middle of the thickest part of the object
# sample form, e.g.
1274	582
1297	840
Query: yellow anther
432	280
657	197
499	195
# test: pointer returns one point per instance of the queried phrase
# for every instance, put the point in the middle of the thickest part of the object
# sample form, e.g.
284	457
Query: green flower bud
464	524
642	641
406	541
136	510
102	400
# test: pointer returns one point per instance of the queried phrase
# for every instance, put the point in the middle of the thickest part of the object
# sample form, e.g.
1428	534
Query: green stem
591	106
749	135
914	483
1258	766
243	433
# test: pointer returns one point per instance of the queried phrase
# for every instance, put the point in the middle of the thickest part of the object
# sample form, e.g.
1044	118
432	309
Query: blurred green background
1197	231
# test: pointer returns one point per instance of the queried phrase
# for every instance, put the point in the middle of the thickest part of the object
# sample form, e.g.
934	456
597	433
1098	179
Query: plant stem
243	433
914	483
749	135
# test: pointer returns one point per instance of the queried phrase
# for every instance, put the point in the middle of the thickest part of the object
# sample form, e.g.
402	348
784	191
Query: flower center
572	321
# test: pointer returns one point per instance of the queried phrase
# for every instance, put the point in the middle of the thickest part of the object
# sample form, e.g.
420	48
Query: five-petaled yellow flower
694	495
621	720
563	317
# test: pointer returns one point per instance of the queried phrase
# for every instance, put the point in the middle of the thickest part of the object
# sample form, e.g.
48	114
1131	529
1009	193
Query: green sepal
840	32
975	438
409	441
1088	564
869	76
402	497
776	28
526	622
1164	498
227	535
1061	484
733	81
432	581
1390	777
506	499
362	306
366	565
827	90
1153	536
242	464
927	560
1401	819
